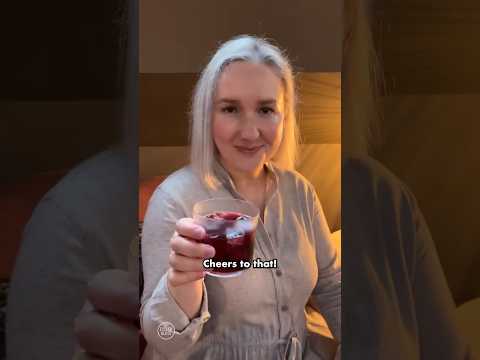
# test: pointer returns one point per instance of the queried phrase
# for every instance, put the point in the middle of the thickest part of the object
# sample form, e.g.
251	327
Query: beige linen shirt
260	314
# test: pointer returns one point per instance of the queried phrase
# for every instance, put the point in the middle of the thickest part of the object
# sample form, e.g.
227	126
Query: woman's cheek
221	129
277	118
277	130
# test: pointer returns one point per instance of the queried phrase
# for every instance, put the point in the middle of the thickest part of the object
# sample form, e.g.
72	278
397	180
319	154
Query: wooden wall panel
430	46
163	110
178	36
430	53
319	115
432	145
165	102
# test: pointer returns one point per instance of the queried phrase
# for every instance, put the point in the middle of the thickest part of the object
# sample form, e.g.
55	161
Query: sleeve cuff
163	307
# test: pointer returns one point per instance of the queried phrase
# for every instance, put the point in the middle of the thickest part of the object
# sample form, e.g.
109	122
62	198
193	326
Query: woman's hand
187	255
107	327
186	265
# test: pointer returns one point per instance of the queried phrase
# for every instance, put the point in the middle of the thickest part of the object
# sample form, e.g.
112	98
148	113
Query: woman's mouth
248	150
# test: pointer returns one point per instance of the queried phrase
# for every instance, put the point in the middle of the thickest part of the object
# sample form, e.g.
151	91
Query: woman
244	140
396	301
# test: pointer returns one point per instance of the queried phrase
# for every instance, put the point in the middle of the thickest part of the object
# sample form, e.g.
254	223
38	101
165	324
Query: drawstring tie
293	350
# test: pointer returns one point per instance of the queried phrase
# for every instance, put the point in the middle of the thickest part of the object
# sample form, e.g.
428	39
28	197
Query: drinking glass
230	226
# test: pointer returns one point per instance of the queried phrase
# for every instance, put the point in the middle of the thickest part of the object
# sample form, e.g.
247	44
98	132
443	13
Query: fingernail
209	251
200	232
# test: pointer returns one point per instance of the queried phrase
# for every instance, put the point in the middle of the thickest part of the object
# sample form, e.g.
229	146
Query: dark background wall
430	54
179	36
61	71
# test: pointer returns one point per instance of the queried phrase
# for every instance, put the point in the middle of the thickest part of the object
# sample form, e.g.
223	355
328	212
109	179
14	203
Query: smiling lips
248	150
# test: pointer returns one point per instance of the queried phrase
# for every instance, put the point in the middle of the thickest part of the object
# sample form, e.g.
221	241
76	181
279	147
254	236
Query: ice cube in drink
232	234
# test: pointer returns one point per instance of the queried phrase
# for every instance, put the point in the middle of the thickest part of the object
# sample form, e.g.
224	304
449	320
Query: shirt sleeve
158	306
51	274
161	309
435	309
326	296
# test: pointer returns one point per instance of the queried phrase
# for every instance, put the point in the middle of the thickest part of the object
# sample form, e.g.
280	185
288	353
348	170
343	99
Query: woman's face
248	116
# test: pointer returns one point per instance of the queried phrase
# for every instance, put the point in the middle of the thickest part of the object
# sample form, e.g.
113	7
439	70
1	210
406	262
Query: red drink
232	234
230	226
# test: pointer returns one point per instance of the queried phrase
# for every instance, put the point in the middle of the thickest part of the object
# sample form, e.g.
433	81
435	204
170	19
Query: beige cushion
337	242
468	317
320	164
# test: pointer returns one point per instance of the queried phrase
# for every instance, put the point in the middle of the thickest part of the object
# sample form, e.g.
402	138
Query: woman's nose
250	129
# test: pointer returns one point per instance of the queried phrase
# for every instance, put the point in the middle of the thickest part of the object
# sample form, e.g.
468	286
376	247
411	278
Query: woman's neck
252	186
247	180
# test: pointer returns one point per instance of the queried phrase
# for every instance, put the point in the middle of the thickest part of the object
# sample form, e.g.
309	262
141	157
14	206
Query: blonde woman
243	145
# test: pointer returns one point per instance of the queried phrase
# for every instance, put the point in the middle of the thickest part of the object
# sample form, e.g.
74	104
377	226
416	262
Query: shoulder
292	180
368	170
98	190
93	204
376	193
296	189
178	192
182	179
102	177
180	184
365	176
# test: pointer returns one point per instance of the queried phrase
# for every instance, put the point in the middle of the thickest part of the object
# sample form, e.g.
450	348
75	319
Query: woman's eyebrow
268	102
235	102
227	100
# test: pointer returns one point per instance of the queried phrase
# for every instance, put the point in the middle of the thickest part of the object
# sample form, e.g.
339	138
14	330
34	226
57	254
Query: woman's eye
267	110
229	109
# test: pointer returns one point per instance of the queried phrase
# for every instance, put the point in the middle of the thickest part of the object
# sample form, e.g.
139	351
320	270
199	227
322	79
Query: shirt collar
224	177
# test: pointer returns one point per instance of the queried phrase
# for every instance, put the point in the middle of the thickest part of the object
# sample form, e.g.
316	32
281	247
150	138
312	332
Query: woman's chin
252	167
248	166
246	163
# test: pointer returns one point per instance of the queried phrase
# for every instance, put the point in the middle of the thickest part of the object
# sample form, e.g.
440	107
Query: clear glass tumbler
230	226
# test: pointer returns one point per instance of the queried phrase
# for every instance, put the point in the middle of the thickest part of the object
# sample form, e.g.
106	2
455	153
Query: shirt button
278	272
284	308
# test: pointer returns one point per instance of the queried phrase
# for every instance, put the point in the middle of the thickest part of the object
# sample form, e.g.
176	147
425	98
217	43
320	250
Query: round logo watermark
166	330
